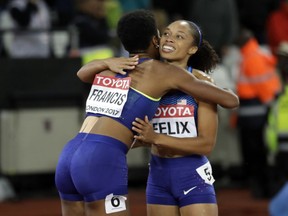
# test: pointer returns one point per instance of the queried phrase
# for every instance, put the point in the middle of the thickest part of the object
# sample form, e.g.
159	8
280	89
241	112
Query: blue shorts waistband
98	137
179	161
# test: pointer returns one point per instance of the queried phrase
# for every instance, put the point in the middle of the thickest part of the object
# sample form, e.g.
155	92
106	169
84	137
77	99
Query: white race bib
108	95
205	171
175	120
115	203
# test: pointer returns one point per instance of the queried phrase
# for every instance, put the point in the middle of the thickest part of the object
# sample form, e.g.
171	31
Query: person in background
65	11
281	114
257	86
253	15
278	204
162	19
30	24
218	20
277	26
131	5
91	38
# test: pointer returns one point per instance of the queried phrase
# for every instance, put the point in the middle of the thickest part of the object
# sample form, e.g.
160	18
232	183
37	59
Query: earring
156	46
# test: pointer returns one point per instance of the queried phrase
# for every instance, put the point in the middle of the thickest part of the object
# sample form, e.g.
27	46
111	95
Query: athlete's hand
118	65
144	129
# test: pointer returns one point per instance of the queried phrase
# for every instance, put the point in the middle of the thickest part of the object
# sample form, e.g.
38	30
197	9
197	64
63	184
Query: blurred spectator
114	12
278	205
92	33
253	15
65	11
30	22
277	128
162	19
277	26
218	20
130	5
282	53
257	86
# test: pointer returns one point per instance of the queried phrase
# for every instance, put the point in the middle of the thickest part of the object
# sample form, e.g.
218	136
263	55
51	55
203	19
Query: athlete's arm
87	72
200	89
203	144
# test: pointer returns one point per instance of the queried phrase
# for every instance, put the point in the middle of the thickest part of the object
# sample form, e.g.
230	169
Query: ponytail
205	59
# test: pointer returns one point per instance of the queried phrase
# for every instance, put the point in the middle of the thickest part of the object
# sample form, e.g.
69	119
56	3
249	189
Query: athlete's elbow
208	147
81	75
235	103
208	150
232	103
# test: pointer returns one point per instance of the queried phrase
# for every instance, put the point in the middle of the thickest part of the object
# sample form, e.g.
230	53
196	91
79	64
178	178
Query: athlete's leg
162	210
115	207
72	208
71	201
199	210
160	200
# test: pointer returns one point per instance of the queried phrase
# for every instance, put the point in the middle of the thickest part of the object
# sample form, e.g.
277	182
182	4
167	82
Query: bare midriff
108	127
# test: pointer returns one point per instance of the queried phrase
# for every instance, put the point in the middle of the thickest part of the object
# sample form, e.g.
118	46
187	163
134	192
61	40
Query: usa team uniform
185	180
93	166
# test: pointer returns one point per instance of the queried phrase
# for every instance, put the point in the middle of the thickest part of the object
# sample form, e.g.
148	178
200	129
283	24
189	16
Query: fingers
138	137
128	67
128	64
121	71
140	121
134	59
138	127
146	119
119	65
137	130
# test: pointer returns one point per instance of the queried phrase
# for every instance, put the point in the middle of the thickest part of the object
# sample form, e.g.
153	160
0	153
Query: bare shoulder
169	69
202	75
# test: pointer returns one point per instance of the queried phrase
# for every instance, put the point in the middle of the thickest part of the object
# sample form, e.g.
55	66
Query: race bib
205	171
115	203
175	120
108	95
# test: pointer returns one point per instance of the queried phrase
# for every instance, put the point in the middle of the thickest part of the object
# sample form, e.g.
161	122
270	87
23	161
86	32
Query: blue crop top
137	105
178	97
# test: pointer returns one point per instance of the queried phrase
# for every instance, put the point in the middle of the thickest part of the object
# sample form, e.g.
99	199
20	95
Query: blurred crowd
60	28
251	38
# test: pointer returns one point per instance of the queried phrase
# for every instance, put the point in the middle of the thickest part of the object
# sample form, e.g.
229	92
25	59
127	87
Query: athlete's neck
179	64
